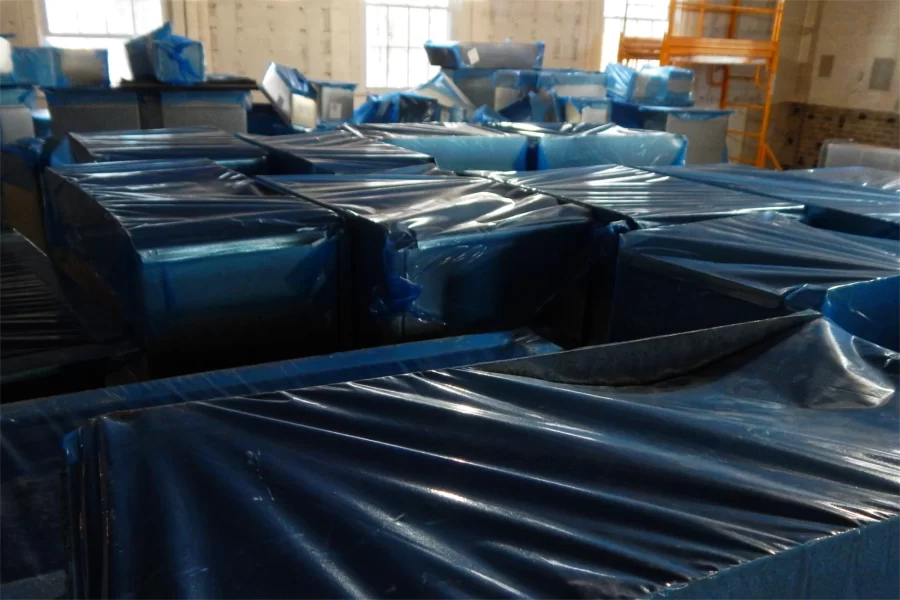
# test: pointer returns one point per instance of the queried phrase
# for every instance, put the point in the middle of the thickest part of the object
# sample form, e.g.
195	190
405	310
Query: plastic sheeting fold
46	347
868	309
186	142
717	272
841	207
203	265
382	131
471	152
863	176
644	198
32	455
620	471
450	255
334	152
398	107
612	144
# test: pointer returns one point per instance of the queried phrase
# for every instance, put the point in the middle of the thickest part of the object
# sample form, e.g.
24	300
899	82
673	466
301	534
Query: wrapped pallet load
162	56
307	102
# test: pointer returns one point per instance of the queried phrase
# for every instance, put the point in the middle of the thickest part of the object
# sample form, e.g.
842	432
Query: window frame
661	6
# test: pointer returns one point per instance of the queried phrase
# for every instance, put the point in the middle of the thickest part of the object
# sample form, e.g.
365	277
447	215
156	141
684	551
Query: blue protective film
334	152
722	271
187	142
450	255
868	309
617	471
611	144
163	56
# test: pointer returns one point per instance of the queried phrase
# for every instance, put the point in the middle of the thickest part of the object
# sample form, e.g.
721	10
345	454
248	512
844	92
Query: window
638	18
396	32
101	24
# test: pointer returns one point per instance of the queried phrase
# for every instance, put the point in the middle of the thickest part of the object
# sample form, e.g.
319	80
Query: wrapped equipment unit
706	130
656	86
484	55
60	67
471	152
723	271
398	107
203	265
612	145
334	152
152	144
593	111
165	57
450	255
307	102
747	462
92	109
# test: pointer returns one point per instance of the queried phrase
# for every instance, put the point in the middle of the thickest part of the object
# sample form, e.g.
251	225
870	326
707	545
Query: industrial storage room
450	298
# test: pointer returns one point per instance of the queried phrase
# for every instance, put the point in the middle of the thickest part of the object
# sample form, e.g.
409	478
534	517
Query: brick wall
803	128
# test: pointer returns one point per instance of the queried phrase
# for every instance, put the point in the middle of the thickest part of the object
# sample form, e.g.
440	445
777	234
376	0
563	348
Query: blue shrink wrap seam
723	271
868	309
612	145
841	207
46	347
32	454
166	57
334	152
485	55
187	142
306	102
450	255
60	67
642	197
638	469
471	152
398	107
203	265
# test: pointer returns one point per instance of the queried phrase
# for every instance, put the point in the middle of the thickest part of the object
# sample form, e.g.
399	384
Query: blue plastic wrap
334	152
448	95
620	80
868	309
512	86
838	206
398	107
758	461
544	107
863	176
724	271
166	57
17	95
450	255
263	119
202	264
391	130
88	96
46	347
486	114
46	67
644	198
486	55
471	152
32	455
663	86
306	102
594	111
612	145
42	126
186	142
565	82
477	84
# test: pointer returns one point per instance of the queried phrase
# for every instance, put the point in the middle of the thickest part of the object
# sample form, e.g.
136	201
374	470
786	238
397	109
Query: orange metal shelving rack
724	53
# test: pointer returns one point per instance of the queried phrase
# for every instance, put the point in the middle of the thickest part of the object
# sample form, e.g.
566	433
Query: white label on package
473	56
335	110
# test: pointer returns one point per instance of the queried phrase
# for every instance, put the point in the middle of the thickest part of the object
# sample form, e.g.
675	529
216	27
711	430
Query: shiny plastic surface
620	80
32	454
864	176
44	67
391	130
723	271
198	258
450	255
612	145
869	309
663	86
334	152
187	142
398	107
565	82
442	88
44	346
166	57
644	198
837	206
617	471
484	55
470	152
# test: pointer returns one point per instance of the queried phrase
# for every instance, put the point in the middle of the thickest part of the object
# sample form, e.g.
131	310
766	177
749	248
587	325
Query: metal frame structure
723	53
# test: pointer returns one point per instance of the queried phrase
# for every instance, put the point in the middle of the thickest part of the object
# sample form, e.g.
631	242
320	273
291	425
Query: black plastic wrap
625	471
